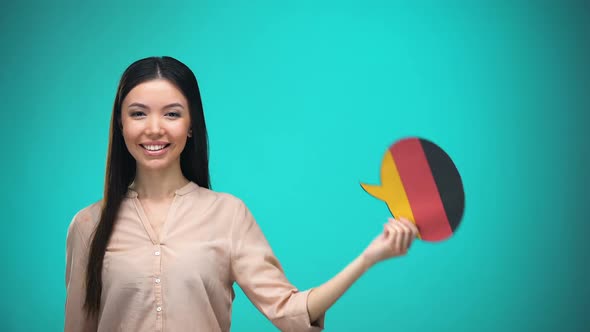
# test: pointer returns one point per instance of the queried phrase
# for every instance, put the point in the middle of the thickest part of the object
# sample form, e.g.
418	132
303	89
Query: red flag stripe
418	181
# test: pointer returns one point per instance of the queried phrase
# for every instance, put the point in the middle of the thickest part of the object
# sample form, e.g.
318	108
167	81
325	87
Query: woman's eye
136	114
174	114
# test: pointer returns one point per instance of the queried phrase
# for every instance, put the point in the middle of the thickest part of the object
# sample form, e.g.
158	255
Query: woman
161	250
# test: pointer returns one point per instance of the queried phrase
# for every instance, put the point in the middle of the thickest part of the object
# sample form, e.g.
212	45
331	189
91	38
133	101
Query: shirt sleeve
260	275
76	261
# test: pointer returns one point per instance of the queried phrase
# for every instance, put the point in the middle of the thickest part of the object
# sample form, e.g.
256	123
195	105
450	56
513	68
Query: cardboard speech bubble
420	182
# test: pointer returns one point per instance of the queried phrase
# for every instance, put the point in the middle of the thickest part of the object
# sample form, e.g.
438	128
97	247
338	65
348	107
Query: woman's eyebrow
140	105
174	105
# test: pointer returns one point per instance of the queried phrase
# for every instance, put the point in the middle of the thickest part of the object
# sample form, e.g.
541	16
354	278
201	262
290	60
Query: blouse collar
187	188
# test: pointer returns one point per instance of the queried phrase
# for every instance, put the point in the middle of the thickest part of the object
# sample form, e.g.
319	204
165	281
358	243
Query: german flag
420	182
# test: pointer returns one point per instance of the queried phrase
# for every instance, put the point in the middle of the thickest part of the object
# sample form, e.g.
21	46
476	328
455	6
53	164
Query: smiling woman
161	251
155	123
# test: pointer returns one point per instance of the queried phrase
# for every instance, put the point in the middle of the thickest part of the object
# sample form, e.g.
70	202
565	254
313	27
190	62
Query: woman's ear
190	133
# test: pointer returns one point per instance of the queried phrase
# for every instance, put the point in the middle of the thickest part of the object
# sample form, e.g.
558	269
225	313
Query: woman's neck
158	185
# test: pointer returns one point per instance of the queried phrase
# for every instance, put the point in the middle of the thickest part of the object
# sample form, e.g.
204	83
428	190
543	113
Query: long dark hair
120	168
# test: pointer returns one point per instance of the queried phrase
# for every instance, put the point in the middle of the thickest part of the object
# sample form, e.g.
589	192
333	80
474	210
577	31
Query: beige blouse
183	280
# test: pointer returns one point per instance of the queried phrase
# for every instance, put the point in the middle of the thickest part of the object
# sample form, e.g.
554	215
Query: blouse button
157	253
157	280
158	309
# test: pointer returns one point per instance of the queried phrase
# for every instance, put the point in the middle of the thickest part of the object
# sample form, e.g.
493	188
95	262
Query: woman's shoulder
220	201
86	219
218	197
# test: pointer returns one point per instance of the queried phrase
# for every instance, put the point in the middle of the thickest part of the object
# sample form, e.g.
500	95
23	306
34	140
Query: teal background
301	101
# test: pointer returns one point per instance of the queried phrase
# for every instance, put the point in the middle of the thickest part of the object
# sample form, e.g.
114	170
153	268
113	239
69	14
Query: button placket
157	251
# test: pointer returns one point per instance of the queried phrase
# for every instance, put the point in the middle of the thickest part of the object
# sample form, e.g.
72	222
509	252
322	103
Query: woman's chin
155	165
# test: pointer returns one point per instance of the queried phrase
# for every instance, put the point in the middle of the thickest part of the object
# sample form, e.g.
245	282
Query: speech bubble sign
420	182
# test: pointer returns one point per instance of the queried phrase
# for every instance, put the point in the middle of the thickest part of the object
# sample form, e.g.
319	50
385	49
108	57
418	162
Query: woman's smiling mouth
155	149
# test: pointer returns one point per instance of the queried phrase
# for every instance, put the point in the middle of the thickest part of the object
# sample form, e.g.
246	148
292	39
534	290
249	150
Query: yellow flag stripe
391	190
397	200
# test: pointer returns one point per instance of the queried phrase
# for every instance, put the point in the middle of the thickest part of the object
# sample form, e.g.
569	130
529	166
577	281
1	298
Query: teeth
154	147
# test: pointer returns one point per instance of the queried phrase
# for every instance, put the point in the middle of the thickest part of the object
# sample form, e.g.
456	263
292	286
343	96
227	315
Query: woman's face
156	121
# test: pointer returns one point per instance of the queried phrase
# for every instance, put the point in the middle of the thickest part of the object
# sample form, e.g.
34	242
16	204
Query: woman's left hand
395	241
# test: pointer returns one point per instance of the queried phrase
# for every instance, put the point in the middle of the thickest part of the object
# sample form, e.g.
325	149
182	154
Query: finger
386	231
394	223
391	221
392	235
404	226
398	238
406	235
406	222
412	226
411	237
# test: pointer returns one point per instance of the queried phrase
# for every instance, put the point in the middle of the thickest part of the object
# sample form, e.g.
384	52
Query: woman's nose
154	127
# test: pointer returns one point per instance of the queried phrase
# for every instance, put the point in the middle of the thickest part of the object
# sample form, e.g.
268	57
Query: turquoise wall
301	101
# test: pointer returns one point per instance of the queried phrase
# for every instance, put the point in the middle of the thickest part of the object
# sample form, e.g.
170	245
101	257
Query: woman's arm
76	261
395	240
